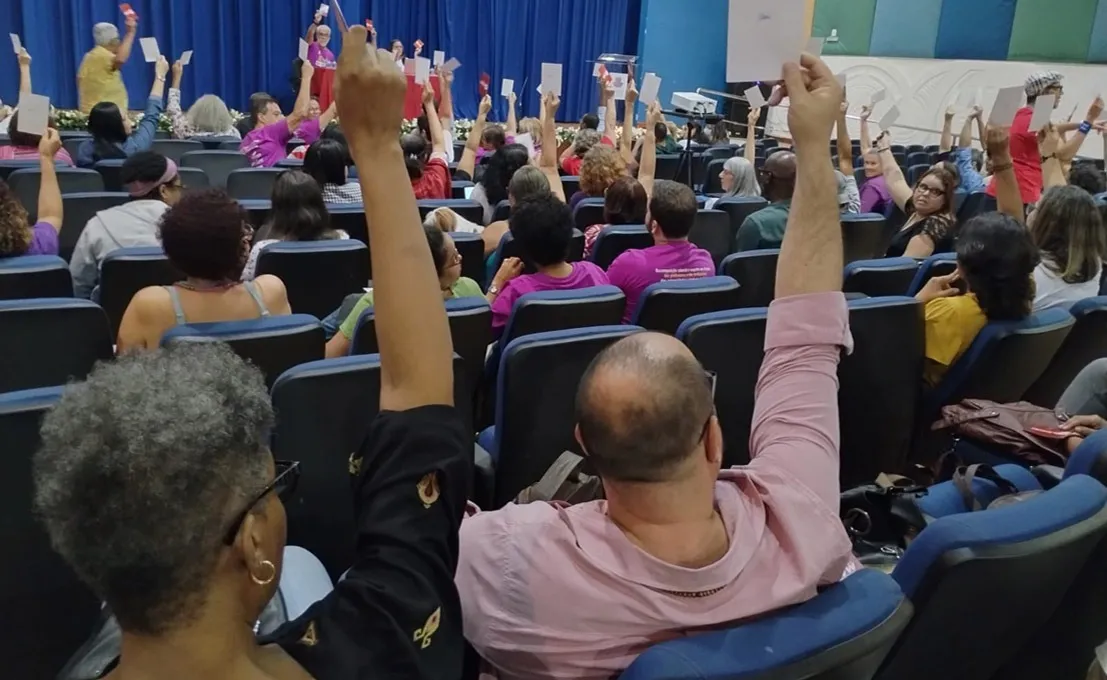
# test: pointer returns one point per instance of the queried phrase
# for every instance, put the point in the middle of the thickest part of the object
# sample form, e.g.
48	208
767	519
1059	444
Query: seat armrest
484	478
1048	475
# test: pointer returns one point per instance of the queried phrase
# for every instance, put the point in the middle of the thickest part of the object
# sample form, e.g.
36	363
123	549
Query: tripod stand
685	173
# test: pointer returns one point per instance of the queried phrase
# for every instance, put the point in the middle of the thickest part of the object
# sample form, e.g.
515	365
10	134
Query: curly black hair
997	256
205	235
543	228
501	167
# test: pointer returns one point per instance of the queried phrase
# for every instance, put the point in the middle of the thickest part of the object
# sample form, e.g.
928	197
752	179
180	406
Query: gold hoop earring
272	574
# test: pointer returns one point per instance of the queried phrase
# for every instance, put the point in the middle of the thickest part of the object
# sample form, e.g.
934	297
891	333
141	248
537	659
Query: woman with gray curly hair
157	486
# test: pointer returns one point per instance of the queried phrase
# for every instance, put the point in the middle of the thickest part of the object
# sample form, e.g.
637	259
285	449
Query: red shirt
1026	157
572	164
435	182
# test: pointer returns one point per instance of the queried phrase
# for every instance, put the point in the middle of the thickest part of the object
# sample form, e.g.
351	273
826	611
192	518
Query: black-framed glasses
712	381
936	192
284	484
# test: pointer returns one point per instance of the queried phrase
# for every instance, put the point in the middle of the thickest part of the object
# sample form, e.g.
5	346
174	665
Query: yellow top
951	325
98	80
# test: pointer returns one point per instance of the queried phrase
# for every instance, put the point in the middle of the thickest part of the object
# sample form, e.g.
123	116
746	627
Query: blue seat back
470	210
915	171
864	236
50	341
879	387
78	209
8	167
878	278
175	148
25	183
274	344
664	306
714	232
350	218
1085	343
458	188
126	271
323	412
502	212
557	310
570	184
738	208
34	276
731	344
55	612
667	166
471	249
588	212
535	401
509	248
755	272
942	264
111	172
844	632
252	183
193	178
984	582
215	143
1004	360
614	240
318	275
975	204
712	182
217	165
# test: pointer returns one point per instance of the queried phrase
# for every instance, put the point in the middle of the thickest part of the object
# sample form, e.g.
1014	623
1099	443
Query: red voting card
369	25
418	44
485	82
127	11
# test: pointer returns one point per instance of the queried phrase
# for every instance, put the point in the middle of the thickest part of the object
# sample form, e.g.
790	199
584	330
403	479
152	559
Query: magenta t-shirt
319	56
636	270
267	146
44	240
585	275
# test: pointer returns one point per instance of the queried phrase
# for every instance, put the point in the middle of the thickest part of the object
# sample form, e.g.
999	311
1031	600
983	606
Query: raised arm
25	72
315	21
49	194
327	117
1052	173
161	69
625	140
128	42
512	125
866	140
752	119
144	133
1008	197
845	144
438	140
893	176
1067	151
946	142
795	419
547	163
647	171
610	114
303	98
965	140
446	105
468	162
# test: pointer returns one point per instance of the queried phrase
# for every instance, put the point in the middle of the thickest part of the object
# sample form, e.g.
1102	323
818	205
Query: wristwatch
493	289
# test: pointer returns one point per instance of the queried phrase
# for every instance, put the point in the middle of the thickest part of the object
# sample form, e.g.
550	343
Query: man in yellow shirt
98	79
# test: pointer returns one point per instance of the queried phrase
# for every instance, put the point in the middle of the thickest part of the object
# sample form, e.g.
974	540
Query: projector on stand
694	104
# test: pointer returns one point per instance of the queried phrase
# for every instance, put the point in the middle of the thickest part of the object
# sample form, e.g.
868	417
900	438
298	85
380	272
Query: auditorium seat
864	236
254	183
570	184
257	211
508	248
77	210
50	612
317	274
323	411
458	188
1004	360
588	212
25	183
975	204
859	174
289	164
293	144
731	344
8	167
942	264
470	210
876	278
126	271
555	310
879	386
712	183
916	171
664	306
215	143
738	208
983	582
229	145
111	172
755	272
502	211
274	344
714	232
614	240
193	178
34	276
50	341
917	155
535	403
1085	343
350	218
668	164
217	165
844	632
72	144
470	322
175	148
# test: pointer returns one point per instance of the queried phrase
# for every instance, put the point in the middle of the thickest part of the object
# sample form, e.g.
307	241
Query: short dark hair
203	235
18	138
1083	175
673	206
259	102
122	449
543	228
499	170
325	162
105	124
590	121
416	154
299	212
646	435
997	258
660	132
625	202
144	166
436	239
494	136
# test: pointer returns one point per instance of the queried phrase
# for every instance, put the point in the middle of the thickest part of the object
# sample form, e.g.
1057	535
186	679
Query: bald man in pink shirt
680	545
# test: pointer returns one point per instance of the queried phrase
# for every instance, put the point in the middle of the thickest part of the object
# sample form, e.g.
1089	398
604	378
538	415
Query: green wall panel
1052	30
854	21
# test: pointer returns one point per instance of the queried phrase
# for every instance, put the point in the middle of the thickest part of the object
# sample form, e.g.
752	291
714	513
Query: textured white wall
923	88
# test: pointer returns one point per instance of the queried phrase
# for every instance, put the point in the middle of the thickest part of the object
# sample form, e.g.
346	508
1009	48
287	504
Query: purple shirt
319	56
585	275
44	240
875	196
267	146
636	270
561	592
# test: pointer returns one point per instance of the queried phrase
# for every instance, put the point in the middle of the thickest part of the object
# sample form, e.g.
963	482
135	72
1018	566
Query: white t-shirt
1052	291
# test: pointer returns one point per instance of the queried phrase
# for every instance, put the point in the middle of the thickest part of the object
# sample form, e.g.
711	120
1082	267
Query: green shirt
462	289
764	228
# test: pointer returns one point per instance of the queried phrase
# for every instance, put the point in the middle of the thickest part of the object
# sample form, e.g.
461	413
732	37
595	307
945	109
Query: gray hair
209	114
141	467
745	178
104	33
585	140
528	182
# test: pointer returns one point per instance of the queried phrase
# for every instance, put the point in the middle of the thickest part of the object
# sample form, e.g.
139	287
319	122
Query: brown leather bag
1007	428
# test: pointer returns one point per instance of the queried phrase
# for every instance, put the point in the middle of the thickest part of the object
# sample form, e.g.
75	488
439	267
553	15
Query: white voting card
762	36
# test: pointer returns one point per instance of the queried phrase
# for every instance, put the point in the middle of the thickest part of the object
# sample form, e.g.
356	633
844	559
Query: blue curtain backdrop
244	46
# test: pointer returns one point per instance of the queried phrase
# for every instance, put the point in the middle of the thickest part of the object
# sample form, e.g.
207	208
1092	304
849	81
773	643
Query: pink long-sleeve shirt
550	592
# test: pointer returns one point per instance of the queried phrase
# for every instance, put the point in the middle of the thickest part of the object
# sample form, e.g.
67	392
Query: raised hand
161	67
815	95
551	102
24	57
754	116
178	69
511	99
318	18
485	105
131	21
997	141
883	142
866	111
369	93
632	91
951	111
1095	110
939	287
307	70
50	144
653	116
428	93
977	111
